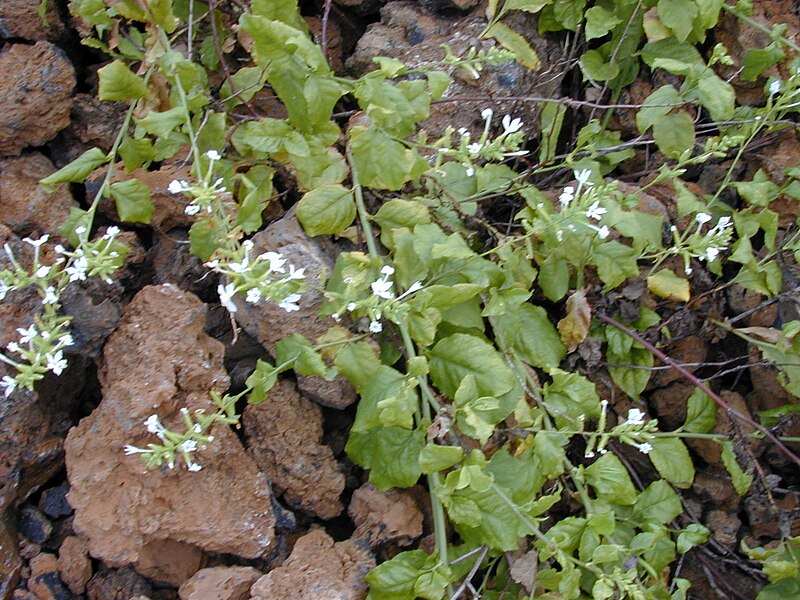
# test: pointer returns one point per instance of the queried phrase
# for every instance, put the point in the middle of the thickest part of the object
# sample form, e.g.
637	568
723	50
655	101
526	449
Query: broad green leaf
758	192
132	199
390	453
438	82
651	112
674	133
596	67
382	161
615	263
205	236
258	183
658	502
665	284
694	535
672	461
610	480
435	458
516	43
160	124
634	380
714	93
678	15
554	277
701	413
742	480
552	119
531	6
599	21
77	170
395	578
570	397
528	333
326	210
118	82
136	153
758	60
262	379
297	350
459	355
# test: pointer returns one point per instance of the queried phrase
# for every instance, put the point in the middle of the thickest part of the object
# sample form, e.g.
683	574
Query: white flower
487	113
603	232
213	155
241	267
635	417
387	270
644	448
176	187
60	249
723	223
560	235
66	340
583	176
351	306
13	347
50	296
77	270
36	243
81	230
567	196
42	272
687	270
774	87
212	264
510	126
712	253
154	425
295	273
289	304
10	384
56	362
276	261
375	327
111	232
188	446
4	289
194	467
191	209
226	293
702	218
596	211
382	289
27	334
474	148
414	287
517	153
134	450
470	171
253	295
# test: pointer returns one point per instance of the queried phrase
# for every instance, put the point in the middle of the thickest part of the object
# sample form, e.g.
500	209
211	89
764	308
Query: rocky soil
278	511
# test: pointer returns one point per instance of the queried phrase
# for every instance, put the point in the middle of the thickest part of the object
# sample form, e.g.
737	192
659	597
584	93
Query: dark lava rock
54	503
34	525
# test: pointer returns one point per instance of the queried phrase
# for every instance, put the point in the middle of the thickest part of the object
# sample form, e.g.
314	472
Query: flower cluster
703	246
205	193
635	431
266	276
468	151
381	301
41	346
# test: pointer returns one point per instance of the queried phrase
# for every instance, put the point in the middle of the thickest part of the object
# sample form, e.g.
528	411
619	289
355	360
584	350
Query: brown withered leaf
574	327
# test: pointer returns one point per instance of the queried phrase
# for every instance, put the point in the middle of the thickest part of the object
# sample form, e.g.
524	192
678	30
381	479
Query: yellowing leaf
574	328
513	41
665	284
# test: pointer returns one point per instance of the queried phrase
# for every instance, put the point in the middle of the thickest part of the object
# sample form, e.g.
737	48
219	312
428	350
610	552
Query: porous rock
35	95
20	19
10	562
385	517
220	583
74	564
284	437
118	584
44	580
34	525
318	569
26	208
158	361
410	33
268	323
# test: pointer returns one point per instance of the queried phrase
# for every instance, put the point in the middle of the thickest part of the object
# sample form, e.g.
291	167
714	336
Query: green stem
363	215
781	40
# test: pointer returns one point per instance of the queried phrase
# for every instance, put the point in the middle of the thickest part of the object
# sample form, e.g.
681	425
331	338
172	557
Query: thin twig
703	387
471	574
324	33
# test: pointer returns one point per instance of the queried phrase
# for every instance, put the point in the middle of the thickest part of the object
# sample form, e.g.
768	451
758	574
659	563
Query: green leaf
610	480
160	124
651	112
390	453
513	41
382	161
117	82
77	170
671	459
435	458
615	263
599	21
552	119
741	479
658	502
678	15
326	210
528	333
596	67
694	535
665	284
258	182
136	153
714	93
570	397
438	82
459	355
554	277
674	133
132	199
701	413
758	60
261	380
297	350
758	192
395	578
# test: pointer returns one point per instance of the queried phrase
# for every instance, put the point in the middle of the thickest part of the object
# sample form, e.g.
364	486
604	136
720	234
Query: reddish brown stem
702	386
